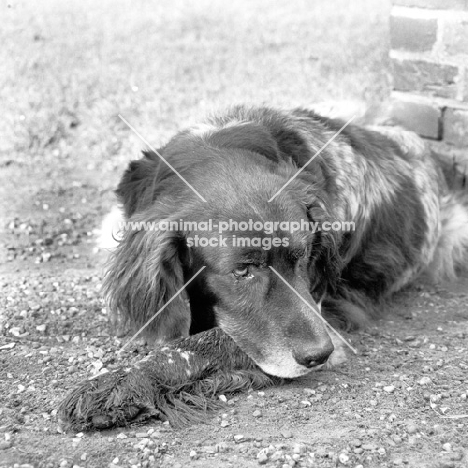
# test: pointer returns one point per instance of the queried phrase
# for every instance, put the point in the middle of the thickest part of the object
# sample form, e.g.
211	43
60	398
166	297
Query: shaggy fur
243	320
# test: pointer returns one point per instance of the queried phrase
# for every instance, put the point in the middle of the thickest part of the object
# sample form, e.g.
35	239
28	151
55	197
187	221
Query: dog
225	317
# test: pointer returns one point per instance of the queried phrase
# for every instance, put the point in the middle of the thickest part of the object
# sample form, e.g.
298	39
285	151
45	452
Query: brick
434	4
454	164
433	79
456	38
420	117
413	34
455	127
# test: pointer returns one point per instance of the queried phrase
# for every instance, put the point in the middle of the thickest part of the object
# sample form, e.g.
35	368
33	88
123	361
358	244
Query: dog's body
244	165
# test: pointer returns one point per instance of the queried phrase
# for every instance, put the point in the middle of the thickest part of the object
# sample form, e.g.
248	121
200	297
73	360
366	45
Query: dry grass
68	69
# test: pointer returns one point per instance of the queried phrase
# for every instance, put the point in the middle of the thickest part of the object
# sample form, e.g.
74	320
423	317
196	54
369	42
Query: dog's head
259	285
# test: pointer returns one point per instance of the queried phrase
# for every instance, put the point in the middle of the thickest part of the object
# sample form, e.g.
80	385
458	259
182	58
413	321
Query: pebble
411	428
389	389
257	414
425	381
287	434
343	458
299	448
445	464
369	447
5	444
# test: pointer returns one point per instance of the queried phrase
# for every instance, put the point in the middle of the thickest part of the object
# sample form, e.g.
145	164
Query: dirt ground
400	402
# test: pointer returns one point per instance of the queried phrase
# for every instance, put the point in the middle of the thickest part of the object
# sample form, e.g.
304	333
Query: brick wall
429	54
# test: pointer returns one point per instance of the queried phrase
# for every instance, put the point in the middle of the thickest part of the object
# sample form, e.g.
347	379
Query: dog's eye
241	272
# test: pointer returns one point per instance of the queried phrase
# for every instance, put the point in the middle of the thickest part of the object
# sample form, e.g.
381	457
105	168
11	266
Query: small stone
41	328
225	423
5	444
287	434
343	458
193	455
223	398
121	436
389	389
238	438
141	435
411	428
262	458
445	464
369	447
299	448
257	414
425	381
447	447
46	256
278	455
415	344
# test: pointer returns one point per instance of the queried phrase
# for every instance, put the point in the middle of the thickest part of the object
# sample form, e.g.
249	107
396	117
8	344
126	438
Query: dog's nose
308	356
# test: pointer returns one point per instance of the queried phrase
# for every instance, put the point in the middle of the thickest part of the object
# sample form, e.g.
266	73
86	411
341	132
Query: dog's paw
112	399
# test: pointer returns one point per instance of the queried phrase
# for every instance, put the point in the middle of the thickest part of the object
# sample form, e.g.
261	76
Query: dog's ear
325	262
137	187
248	136
145	272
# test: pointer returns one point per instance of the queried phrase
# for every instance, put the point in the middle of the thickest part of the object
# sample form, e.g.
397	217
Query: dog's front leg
173	382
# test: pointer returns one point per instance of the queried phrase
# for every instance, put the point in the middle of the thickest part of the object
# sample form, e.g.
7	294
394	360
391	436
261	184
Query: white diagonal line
311	159
161	309
315	310
160	157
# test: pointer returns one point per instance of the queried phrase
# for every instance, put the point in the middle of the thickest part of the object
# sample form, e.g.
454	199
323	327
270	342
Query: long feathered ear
144	274
326	264
137	185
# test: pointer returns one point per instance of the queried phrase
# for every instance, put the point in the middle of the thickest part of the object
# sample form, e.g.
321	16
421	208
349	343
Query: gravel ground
400	402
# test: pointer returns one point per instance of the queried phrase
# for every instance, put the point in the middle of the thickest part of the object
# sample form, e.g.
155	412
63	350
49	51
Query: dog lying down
252	223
